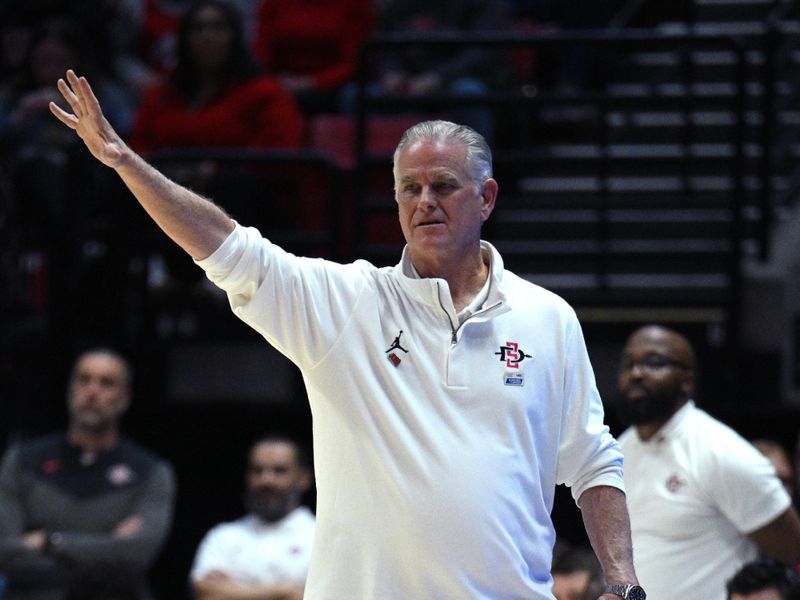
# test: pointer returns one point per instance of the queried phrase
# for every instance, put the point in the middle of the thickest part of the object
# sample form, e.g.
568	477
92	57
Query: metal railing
600	99
276	167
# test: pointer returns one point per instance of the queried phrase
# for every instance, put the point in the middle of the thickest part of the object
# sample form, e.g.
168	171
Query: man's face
441	207
770	594
655	376
275	480
97	395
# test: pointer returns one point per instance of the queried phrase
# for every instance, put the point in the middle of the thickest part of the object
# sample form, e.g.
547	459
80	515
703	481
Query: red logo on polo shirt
51	466
512	354
674	483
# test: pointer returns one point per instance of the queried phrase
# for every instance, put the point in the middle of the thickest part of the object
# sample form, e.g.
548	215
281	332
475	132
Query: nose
265	477
632	371
88	391
636	368
427	199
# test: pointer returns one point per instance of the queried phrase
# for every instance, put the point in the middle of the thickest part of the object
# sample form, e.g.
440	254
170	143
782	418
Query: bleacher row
646	192
635	198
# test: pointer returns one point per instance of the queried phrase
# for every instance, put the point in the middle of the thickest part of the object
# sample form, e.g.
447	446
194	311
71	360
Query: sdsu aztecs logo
512	354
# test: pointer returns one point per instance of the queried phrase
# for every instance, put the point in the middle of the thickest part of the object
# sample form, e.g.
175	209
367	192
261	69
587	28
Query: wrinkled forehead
433	154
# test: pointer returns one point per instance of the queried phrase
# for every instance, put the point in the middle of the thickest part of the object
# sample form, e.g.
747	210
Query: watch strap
628	591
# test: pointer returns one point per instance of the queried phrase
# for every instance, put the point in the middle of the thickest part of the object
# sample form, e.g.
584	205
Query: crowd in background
214	74
177	73
232	75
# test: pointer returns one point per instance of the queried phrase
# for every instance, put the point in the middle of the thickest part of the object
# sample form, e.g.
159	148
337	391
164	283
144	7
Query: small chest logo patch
395	345
120	474
674	483
516	378
512	355
51	466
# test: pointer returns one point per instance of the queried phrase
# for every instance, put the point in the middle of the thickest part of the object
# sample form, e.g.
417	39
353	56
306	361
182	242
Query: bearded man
266	553
702	500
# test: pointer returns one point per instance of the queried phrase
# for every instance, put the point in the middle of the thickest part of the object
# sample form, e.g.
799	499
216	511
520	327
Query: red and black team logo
512	354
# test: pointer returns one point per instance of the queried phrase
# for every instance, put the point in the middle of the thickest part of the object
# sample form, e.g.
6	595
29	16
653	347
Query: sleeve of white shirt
743	483
589	455
300	305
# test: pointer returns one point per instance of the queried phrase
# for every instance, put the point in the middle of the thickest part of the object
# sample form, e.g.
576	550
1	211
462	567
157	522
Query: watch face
627	591
636	593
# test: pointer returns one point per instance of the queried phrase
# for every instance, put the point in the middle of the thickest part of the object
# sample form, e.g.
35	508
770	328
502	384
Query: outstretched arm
605	517
194	223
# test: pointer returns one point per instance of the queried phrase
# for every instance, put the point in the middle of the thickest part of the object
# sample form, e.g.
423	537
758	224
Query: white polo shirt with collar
437	443
694	491
253	552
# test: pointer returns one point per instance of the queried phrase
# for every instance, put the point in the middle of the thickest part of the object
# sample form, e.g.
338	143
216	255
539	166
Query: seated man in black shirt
83	514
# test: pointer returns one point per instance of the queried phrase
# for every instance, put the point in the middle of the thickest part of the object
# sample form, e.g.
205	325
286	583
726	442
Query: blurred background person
83	515
702	500
312	46
577	574
421	71
216	96
264	554
40	161
765	579
156	23
779	457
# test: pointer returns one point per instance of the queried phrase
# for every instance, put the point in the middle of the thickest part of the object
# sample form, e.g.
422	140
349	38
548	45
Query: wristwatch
52	541
626	590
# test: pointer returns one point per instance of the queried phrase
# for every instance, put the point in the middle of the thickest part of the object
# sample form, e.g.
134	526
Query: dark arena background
647	158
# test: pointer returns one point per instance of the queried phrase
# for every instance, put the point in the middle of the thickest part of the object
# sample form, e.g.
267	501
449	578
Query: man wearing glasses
702	500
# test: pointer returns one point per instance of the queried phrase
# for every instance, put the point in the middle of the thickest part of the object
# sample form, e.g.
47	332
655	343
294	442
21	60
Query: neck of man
93	440
465	276
647	430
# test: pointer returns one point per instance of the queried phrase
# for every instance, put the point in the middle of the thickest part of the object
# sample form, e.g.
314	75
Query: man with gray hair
449	395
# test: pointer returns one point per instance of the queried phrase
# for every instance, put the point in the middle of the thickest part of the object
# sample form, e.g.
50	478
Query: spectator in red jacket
312	46
216	96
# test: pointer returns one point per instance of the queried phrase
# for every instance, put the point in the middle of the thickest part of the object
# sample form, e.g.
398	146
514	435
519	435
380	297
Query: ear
488	198
687	385
124	405
305	480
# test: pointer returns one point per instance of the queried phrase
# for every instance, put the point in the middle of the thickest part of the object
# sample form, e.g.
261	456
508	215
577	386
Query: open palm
87	120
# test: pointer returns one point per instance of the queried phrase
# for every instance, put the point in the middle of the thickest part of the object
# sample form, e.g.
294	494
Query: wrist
53	541
628	591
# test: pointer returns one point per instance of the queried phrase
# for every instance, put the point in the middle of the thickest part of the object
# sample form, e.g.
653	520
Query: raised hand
194	223
88	121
